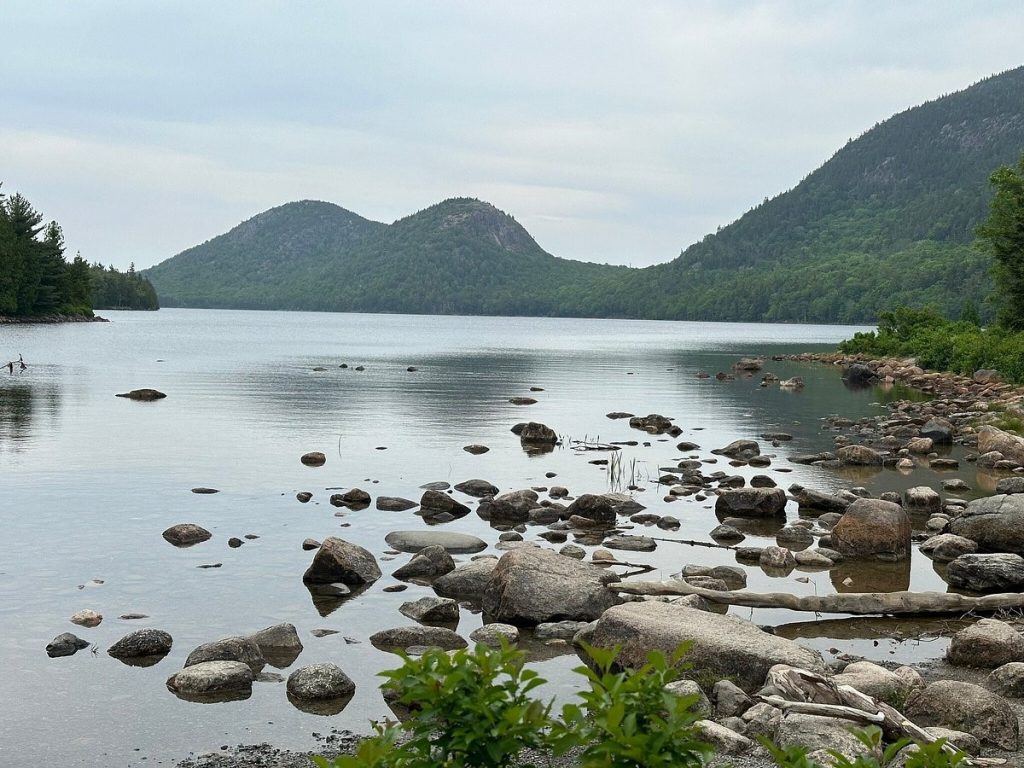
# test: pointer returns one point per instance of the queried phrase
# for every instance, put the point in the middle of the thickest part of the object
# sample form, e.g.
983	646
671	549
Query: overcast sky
615	132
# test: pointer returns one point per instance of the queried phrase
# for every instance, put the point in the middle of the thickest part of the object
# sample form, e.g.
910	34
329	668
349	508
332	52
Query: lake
89	481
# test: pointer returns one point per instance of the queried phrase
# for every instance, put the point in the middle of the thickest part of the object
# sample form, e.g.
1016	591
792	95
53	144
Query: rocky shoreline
53	319
751	677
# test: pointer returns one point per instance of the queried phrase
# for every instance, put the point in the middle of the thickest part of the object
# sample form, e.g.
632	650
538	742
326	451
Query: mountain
887	220
461	256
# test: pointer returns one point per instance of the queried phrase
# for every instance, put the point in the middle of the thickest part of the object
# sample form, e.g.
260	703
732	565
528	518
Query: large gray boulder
428	563
940	431
751	502
416	634
214	679
994	439
430	609
340	561
987	573
141	642
467	582
872	528
859	456
875	681
966	707
818	501
510	508
317	682
229	649
945	547
995	522
815	732
988	643
723	646
279	644
533	586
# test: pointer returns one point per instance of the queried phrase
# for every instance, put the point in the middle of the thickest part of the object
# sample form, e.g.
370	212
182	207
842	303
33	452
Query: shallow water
89	481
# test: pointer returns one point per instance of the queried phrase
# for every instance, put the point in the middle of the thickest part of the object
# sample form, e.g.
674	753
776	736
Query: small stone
87	618
313	459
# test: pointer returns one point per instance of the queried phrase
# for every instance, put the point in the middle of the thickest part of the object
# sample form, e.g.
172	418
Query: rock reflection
323	707
871	576
20	405
220	697
141	661
327	598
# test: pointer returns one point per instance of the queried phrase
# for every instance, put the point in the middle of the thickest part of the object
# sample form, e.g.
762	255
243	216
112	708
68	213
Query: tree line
37	279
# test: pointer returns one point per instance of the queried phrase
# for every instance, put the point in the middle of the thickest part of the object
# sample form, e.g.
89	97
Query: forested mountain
888	220
459	256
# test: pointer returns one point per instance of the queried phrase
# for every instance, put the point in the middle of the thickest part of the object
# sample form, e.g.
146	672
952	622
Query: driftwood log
799	690
855	603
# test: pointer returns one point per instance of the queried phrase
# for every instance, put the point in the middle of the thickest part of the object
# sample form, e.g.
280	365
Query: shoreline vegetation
39	285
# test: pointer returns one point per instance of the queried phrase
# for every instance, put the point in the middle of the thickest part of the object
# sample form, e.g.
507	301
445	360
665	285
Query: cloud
616	132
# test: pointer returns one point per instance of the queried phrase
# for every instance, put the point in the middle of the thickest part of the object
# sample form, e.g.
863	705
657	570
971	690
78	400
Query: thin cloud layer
615	132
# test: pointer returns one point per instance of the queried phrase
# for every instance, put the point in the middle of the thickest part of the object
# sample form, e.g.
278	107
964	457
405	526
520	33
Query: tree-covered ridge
112	289
887	220
36	280
459	256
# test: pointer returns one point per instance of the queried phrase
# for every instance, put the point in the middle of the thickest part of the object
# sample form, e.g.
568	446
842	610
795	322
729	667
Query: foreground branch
855	603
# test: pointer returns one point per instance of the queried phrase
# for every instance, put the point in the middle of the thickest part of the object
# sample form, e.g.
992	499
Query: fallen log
854	603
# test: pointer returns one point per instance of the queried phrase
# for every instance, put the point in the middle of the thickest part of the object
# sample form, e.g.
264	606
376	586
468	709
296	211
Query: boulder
1007	680
729	700
920	445
279	644
434	503
996	523
946	547
394	504
455	543
467	582
416	634
875	681
725	741
595	508
654	423
994	439
939	430
814	733
476	487
987	573
340	561
859	456
317	682
510	508
751	502
428	563
212	679
872	528
739	449
533	586
475	449
229	649
922	500
186	534
143	395
776	558
431	610
818	501
723	646
536	433
65	644
631	543
313	459
86	618
141	642
557	630
491	635
685	689
966	707
859	374
988	643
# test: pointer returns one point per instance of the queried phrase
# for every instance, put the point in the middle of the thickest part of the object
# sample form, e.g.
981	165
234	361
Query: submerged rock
65	644
141	642
145	395
455	543
186	534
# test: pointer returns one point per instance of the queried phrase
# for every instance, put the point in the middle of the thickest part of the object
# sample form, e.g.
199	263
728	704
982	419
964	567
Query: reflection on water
21	404
871	576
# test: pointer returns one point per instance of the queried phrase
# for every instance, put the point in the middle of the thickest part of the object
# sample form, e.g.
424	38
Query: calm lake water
89	481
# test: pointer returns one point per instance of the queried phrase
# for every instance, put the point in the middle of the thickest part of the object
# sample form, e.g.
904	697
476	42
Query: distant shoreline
50	319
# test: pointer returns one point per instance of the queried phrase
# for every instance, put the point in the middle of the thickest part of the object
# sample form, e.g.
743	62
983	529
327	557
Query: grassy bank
942	345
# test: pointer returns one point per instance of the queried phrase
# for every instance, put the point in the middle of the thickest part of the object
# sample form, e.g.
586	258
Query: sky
616	132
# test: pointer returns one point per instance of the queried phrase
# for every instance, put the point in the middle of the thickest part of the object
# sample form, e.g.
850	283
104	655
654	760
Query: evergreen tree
1002	235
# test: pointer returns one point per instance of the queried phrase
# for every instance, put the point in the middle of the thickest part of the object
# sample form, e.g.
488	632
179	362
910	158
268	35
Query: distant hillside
460	256
887	220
